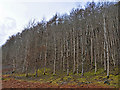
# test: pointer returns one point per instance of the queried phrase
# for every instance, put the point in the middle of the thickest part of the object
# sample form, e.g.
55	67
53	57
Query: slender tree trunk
24	61
41	58
14	65
95	51
104	57
67	56
55	56
107	63
61	55
82	55
113	52
64	57
26	69
77	54
101	57
95	64
92	49
113	58
23	69
36	70
74	51
45	62
45	57
105	37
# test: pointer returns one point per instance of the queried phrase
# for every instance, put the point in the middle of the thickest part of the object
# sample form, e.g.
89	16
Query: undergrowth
72	79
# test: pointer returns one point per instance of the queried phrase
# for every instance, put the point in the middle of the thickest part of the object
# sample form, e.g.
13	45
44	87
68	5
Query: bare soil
12	83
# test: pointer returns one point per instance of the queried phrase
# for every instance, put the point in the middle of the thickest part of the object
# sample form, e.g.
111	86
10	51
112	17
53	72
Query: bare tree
106	42
74	50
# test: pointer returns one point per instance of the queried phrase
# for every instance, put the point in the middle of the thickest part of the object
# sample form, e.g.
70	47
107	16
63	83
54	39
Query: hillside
77	49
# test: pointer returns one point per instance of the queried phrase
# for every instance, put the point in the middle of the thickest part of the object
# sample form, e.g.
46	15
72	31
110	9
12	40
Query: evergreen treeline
86	39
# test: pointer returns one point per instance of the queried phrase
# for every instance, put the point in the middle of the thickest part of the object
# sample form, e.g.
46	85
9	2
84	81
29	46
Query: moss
1	78
41	79
88	74
92	73
54	82
73	83
20	75
67	78
82	80
99	71
79	74
58	79
71	73
100	82
51	78
41	71
5	78
54	74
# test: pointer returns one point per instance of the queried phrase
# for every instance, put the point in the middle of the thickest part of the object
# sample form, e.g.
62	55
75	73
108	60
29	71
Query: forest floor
12	83
60	80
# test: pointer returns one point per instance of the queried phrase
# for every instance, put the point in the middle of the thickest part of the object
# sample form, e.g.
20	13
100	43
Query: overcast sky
15	14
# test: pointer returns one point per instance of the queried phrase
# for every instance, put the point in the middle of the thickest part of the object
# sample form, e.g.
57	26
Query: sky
15	14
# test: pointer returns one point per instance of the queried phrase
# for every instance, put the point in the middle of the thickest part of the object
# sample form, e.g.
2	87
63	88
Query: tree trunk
92	49
36	70
64	57
61	56
74	51
55	56
95	49
82	55
77	54
104	57
95	64
45	62
14	65
67	56
45	57
105	37
23	69
26	69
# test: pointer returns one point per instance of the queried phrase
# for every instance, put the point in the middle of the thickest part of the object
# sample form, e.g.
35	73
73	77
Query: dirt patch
12	83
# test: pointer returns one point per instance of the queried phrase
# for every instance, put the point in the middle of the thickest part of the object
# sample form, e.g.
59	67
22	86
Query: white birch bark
54	57
67	55
45	55
105	37
61	55
104	57
82	55
73	51
25	57
92	48
95	49
77	54
64	57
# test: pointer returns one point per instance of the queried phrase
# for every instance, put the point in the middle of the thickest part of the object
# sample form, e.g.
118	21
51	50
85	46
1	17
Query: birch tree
106	42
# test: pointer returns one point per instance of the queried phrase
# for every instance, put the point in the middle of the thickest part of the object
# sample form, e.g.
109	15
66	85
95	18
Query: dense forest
86	39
